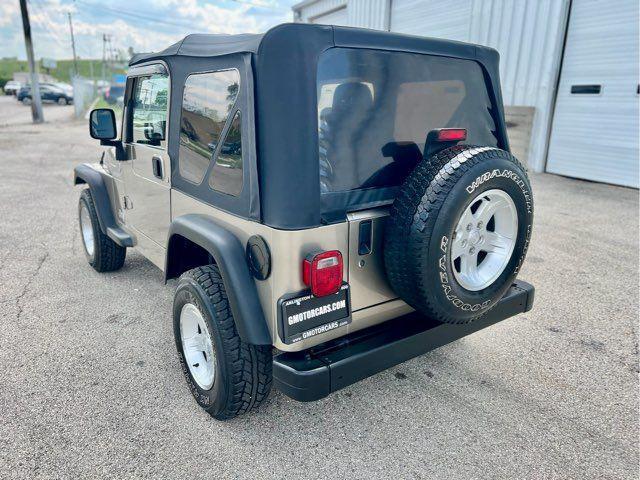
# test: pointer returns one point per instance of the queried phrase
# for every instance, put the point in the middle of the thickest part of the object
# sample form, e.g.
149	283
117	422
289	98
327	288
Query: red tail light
323	272
452	134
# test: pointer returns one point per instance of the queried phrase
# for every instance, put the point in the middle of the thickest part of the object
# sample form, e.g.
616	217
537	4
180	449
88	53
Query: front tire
102	253
227	376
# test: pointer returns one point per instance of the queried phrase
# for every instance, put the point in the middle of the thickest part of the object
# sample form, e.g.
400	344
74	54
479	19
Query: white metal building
569	71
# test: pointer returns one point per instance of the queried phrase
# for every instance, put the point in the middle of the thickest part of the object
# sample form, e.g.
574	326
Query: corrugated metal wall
449	20
529	35
310	10
369	14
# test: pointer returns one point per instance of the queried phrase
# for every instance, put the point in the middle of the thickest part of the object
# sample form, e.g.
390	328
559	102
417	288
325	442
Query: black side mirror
102	124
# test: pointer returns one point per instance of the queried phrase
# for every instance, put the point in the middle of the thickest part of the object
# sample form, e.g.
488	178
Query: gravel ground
91	387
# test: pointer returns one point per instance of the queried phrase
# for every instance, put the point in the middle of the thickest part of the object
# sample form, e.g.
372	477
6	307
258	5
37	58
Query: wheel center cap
474	237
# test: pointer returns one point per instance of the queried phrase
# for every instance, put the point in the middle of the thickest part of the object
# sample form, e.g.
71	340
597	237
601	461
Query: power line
136	16
142	16
258	5
44	22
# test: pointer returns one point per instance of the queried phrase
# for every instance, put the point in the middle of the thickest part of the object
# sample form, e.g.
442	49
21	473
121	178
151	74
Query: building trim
556	89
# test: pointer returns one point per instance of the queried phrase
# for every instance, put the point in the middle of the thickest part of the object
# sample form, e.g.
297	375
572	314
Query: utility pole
36	101
104	54
73	44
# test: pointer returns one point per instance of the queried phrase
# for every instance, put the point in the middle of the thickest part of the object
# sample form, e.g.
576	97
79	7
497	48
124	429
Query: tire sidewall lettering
503	173
446	286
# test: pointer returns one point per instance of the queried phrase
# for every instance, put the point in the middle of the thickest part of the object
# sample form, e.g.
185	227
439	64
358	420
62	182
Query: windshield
375	109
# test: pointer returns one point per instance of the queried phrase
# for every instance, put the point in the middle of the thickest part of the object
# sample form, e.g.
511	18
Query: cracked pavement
90	385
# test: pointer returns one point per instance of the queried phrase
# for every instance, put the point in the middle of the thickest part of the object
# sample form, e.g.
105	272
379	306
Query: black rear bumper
315	373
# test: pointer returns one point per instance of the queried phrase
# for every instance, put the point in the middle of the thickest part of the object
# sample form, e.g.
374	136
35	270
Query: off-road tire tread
250	372
415	210
108	255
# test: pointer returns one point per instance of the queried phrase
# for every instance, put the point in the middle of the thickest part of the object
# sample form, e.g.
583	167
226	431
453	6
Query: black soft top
205	45
285	185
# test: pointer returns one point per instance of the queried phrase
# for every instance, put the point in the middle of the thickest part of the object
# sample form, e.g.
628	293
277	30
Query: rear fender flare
229	256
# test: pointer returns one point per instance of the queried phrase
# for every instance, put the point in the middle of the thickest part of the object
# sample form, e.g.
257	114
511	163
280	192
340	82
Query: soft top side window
207	104
226	174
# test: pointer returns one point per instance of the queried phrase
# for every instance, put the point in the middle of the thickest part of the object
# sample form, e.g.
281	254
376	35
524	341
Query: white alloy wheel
86	229
198	349
62	101
484	239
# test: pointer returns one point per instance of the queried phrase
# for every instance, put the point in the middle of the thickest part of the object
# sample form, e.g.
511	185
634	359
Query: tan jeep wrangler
333	201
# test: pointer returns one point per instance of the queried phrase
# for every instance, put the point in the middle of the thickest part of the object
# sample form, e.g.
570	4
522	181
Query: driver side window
149	110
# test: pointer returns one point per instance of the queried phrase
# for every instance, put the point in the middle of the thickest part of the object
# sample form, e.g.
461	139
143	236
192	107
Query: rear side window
375	109
226	175
207	106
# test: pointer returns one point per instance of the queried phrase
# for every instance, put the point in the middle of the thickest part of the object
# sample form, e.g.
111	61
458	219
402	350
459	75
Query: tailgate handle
364	237
157	166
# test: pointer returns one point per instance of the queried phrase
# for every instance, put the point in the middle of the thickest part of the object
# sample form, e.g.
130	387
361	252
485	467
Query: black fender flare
229	256
85	173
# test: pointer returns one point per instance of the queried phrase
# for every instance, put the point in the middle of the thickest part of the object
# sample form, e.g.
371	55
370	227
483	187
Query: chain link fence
85	92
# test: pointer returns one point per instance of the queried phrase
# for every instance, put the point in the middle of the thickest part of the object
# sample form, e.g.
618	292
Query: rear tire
62	101
458	232
102	253
237	376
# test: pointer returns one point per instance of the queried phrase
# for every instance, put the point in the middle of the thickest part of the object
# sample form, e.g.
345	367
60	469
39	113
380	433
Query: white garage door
431	18
595	125
337	17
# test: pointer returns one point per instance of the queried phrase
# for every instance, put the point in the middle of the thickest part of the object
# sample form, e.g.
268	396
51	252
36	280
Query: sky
144	25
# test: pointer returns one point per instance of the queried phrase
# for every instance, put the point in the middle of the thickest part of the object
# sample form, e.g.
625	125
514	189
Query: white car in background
12	87
65	87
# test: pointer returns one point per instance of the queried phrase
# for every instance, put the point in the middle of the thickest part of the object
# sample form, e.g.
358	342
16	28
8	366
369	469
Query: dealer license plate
307	316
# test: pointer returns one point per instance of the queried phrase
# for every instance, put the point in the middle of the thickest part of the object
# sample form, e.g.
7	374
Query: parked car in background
48	93
114	94
68	89
12	87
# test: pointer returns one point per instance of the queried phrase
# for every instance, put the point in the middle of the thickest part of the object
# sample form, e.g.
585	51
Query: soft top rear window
376	107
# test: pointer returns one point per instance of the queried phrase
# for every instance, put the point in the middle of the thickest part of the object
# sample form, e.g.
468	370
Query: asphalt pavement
90	384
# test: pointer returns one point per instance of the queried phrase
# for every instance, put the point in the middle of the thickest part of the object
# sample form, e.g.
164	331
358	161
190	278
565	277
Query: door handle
157	166
364	237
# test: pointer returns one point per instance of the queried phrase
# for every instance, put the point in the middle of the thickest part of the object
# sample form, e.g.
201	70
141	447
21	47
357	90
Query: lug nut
463	243
479	224
472	249
469	227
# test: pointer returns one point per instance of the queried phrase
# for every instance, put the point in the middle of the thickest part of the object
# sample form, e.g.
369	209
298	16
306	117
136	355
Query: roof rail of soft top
214	45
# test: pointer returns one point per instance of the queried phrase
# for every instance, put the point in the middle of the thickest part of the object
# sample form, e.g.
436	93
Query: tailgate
366	273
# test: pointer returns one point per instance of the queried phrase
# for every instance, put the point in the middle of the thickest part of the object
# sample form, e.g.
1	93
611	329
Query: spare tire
458	232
